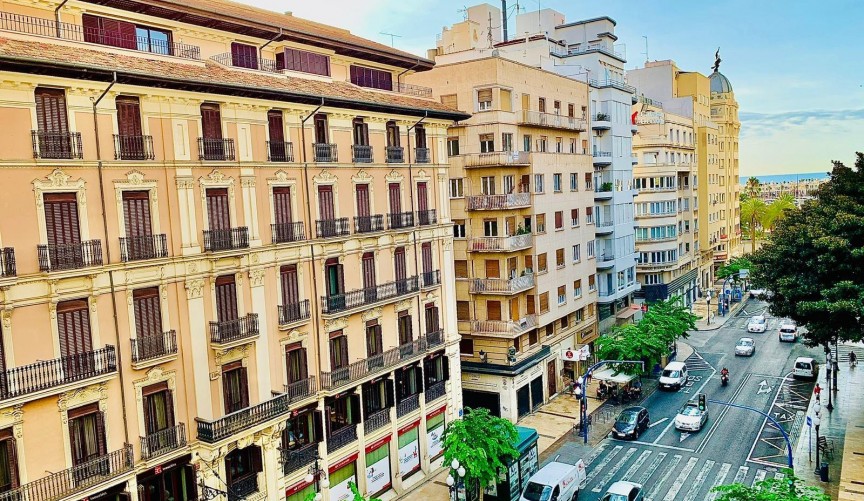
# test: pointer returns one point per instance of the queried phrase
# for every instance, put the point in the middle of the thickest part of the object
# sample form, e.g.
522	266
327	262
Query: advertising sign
378	475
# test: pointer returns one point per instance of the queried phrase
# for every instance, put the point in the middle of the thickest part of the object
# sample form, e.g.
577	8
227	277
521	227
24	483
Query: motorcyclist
724	373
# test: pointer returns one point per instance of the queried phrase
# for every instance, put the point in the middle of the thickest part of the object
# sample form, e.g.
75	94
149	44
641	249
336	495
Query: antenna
646	48
489	31
391	35
464	11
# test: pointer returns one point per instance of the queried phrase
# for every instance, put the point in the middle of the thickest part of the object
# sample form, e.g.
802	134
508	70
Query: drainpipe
57	18
268	41
399	76
414	230
108	253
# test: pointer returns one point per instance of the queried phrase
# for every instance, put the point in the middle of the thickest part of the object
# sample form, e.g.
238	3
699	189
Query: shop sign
378	475
409	457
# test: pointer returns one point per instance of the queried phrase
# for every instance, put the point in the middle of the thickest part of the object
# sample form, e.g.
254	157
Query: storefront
115	493
434	432
409	449
512	480
300	491
172	481
343	473
378	478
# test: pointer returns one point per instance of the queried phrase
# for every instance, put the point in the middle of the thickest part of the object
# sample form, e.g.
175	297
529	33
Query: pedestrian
817	390
853	359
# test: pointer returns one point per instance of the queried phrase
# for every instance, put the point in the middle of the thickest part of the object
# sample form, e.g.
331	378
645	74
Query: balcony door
420	136
394	191
405	327
226	299
426	253
87	440
129	128
9	479
432	318
374	341
335	277
218	211
321	132
326	207
295	363
338	351
276	133
283	215
235	387
211	121
76	345
290	288
148	323
61	222
244	56
361	132
363	205
241	471
423	202
51	115
393	135
158	405
137	220
368	270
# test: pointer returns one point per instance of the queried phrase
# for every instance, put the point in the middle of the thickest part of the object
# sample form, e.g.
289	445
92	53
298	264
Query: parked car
631	423
674	375
788	332
624	491
805	368
757	323
745	347
556	481
691	417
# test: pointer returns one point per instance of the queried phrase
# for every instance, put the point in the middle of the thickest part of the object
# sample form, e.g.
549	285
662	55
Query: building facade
724	112
522	201
230	266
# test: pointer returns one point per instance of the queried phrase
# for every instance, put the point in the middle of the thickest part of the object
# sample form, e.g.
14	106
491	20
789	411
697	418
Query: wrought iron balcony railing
163	441
288	232
299	390
230	239
247	62
427	217
280	151
506	329
143	247
46	374
400	220
7	262
430	278
211	149
395	155
239	489
230	424
501	244
422	155
361	153
363	297
374	365
325	152
376	420
408	405
296	459
151	347
57	145
70	256
341	437
294	312
434	338
368	224
133	147
435	391
229	331
502	286
329	228
552	120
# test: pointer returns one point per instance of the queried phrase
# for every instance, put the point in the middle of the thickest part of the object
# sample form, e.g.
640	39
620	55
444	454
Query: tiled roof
209	74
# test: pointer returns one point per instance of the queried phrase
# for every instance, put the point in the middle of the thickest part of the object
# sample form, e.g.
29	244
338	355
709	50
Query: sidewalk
717	321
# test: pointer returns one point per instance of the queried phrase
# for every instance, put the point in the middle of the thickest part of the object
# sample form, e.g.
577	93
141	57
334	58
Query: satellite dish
495	53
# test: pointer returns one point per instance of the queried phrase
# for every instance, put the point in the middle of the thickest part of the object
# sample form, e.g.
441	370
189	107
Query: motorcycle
724	379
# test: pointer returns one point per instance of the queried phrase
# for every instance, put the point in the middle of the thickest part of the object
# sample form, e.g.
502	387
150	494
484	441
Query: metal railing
7	262
246	62
295	312
237	329
341	437
395	154
408	405
421	156
500	244
435	391
280	151
498	202
612	83
361	153
368	224
502	328
600	117
46	374
604	224
427	217
232	238
376	420
400	220
325	152
372	366
70	256
150	347
287	232
496	158
301	389
215	149
434	338
133	147
502	286
606	256
656	239
143	247
430	278
57	145
412	90
328	228
602	154
240	488
235	422
552	120
163	441
362	297
293	460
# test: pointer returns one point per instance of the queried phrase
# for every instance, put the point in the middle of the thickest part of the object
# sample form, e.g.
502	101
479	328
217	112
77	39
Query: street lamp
816	423
314	474
456	480
708	304
830	405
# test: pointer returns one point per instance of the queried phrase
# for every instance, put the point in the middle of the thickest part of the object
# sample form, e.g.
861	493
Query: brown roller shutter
484	95
492	269
493	310
450	100
544	302
461	268
530	308
218	213
463	310
282	204
61	218
226	298
136	213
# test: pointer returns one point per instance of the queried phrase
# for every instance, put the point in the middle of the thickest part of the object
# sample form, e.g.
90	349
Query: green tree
774	489
482	443
753	188
752	215
354	490
777	210
734	266
814	260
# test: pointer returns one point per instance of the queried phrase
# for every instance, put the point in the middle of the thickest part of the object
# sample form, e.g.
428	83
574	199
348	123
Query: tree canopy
734	266
814	261
482	443
773	489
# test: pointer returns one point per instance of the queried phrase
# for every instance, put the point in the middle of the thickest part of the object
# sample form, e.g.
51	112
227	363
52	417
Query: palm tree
777	210
753	188
752	215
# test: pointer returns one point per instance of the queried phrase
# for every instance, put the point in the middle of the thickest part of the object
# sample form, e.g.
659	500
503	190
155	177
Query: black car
630	423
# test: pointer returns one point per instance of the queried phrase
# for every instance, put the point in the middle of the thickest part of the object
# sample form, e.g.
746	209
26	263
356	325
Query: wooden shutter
218	212
244	56
368	270
514	309
362	200
12	458
559	219
422	197
128	116
541	262
61	218
492	269
321	132
257	463
544	302
211	121
117	33
484	95
461	267
276	126
450	101
148	316
101	439
463	310
282	204
399	263
280	61
394	190
530	307
92	31
136	213
290	291
432	318
226	298
73	325
340	278
426	251
51	111
493	310
325	202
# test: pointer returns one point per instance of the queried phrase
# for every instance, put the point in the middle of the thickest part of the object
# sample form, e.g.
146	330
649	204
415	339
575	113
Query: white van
556	482
674	376
805	368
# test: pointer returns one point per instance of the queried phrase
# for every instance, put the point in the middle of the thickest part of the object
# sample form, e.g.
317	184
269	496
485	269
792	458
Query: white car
788	332
745	347
690	417
624	491
757	324
674	376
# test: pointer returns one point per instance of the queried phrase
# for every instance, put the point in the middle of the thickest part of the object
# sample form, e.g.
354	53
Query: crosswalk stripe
679	482
741	475
594	454
652	467
606	460
614	470
636	465
721	476
696	486
760	476
669	469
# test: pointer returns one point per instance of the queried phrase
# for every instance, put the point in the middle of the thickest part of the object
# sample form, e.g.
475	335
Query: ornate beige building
227	263
724	112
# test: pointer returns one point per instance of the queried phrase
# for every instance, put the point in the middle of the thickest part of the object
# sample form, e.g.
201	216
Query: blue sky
795	65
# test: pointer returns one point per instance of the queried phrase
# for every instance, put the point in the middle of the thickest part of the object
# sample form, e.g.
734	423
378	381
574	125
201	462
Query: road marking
741	475
672	423
723	412
719	479
614	470
655	423
663	446
606	460
596	452
666	474
696	486
679	482
636	465
652	467
760	476
764	388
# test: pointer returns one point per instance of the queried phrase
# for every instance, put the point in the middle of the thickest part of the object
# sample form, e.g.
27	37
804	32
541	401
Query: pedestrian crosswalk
695	362
667	475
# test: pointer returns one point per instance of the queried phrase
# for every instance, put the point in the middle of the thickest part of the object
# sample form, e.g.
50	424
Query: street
735	445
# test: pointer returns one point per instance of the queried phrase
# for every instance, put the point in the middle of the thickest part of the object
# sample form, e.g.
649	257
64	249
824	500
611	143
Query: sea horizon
786	178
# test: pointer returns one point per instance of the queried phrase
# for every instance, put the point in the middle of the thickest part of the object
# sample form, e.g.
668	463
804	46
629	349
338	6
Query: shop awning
629	312
527	437
609	376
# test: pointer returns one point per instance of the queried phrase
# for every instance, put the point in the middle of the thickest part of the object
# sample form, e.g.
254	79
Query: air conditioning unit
523	322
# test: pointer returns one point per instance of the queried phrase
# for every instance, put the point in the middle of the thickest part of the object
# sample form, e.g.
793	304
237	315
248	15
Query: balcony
163	441
724	238
602	158
329	228
339	303
501	286
373	366
407	406
7	262
154	347
434	338
143	247
47	374
435	391
57	145
506	329
427	217
361	153
325	152
612	83
657	239
217	150
430	278
70	256
421	156
281	233
296	459
395	154
376	420
246	62
231	331
230	239
497	159
594	47
498	202
552	120
657	189
603	192
236	422
294	312
66	483
133	147
241	488
601	121
369	224
501	244
604	227
341	438
400	220
280	151
606	260
657	266
300	390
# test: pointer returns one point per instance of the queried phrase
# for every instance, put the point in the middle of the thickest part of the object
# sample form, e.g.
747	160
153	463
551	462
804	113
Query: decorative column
262	344
198	340
269	441
250	209
188	225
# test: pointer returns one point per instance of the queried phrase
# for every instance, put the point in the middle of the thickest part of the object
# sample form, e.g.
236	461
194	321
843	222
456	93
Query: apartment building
664	176
724	111
522	202
227	264
687	94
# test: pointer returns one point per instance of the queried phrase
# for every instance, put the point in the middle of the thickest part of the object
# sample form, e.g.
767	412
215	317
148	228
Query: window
295	363
457	188
52	124
374	339
574	181
562	294
556	183
541	263
559	258
241	465
130	140
405	327
573	145
148	324
544	302
589	182
461	268
8	461
283	216
577	288
335	276
458	228
542	144
493	269
574	217
591	248
487	143
86	434
490	227
541	104
526	142
73	327
541	223
432	318
559	146
226	299
463	310
577	253
466	346
509	184
105	31
235	387
592	282
452	146
538	183
372	78
484	99
158	404
244	56
589	215
506	141
487	185
571	110
304	61
450	100
559	220
338	350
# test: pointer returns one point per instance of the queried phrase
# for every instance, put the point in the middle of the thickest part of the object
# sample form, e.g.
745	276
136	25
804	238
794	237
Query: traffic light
701	401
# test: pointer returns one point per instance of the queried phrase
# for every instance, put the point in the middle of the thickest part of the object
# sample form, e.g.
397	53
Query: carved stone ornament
334	324
371	314
81	396
362	177
135	177
325	177
7	318
256	278
56	181
13	417
232	354
405	304
421	174
245	441
184	183
247	182
280	176
58	178
194	288
216	176
395	177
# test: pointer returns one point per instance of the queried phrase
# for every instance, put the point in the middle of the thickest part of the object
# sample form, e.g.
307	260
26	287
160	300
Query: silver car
757	324
745	347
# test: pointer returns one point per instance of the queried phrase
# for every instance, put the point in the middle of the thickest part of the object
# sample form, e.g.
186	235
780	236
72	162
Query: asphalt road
735	445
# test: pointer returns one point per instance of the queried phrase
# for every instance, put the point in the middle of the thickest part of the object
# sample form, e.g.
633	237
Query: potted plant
606	187
602	117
